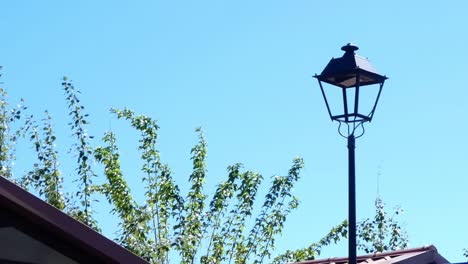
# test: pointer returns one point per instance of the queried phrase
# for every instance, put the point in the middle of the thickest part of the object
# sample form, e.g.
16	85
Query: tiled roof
421	255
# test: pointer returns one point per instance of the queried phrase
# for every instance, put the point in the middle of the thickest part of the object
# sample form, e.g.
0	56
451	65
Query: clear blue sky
242	70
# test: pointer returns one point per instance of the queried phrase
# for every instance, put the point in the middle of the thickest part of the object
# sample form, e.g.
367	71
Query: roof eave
50	218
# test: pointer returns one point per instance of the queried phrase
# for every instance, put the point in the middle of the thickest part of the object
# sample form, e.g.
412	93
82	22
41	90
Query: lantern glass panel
367	98
342	101
334	97
350	98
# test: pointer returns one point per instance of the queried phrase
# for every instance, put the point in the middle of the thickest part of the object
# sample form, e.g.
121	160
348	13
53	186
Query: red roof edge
379	255
57	222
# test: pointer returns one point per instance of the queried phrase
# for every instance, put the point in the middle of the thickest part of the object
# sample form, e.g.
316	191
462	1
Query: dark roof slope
46	224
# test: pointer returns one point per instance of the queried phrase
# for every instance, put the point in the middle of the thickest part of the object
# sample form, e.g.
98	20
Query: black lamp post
353	82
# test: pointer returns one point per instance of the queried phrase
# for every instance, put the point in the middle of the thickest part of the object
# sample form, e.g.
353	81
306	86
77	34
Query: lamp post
351	88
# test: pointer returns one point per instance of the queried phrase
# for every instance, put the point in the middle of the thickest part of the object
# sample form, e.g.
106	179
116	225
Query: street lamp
351	88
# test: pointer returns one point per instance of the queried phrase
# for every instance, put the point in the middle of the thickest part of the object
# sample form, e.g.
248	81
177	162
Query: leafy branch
192	225
133	229
162	194
270	222
46	174
314	249
84	154
8	134
382	233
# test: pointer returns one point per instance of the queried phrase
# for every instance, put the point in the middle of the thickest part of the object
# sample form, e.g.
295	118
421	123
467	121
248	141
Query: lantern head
352	84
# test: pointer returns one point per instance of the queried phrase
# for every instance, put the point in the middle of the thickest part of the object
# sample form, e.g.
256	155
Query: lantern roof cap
349	47
351	64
